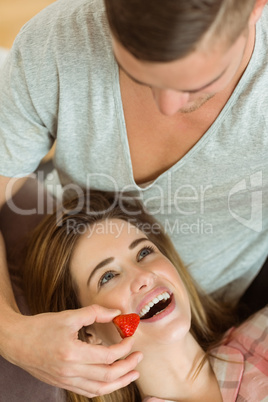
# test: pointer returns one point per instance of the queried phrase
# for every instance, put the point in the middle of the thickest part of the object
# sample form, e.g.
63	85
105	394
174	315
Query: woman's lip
163	313
150	296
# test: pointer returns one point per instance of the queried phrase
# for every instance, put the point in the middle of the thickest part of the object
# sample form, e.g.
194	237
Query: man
182	123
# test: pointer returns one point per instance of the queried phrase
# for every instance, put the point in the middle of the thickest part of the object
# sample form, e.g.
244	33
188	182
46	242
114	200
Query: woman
110	252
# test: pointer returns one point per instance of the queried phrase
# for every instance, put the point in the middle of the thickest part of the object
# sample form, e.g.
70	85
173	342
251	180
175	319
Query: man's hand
47	346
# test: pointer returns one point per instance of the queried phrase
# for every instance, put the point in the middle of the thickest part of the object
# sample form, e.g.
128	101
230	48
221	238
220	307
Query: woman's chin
152	334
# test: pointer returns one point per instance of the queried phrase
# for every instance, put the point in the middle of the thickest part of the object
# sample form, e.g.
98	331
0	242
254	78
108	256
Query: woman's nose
142	279
170	102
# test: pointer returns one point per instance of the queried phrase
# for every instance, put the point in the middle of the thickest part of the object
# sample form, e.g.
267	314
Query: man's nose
168	101
142	278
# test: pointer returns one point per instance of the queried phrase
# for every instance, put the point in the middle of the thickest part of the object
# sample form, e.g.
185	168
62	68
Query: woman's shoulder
257	322
253	334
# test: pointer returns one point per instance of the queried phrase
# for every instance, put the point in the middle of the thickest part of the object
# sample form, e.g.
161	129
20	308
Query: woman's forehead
109	232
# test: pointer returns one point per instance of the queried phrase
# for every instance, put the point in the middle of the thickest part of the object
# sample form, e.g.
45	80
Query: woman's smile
154	309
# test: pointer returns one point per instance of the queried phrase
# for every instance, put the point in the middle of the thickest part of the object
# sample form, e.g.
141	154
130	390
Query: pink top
243	374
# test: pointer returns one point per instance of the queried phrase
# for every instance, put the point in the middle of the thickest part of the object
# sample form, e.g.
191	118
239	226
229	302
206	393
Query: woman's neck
168	372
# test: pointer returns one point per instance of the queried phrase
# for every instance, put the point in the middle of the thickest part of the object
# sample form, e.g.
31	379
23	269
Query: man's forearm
7	298
8	305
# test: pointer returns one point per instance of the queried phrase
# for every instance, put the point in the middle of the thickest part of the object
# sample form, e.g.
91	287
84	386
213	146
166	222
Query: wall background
14	14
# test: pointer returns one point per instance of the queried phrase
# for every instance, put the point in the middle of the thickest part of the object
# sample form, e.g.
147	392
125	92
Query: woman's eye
106	278
144	252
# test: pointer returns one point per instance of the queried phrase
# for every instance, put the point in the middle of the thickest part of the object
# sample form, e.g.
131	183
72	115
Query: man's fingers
102	377
103	372
115	371
97	388
99	354
87	315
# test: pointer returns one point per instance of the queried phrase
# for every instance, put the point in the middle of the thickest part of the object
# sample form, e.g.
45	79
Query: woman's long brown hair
49	286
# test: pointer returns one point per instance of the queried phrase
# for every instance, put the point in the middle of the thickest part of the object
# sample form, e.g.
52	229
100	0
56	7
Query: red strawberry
126	324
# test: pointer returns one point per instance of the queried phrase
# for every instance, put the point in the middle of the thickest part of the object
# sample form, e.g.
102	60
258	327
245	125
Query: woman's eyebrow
107	261
99	266
136	242
181	90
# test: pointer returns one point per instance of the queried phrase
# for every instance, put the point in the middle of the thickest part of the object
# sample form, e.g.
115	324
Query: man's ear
257	11
91	336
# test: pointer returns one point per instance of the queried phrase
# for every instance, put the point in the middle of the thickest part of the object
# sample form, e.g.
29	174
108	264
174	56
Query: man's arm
47	345
8	304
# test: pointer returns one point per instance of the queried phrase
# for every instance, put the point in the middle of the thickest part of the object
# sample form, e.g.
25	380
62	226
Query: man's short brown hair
166	30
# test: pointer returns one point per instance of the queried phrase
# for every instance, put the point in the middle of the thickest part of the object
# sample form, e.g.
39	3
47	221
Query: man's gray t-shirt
61	82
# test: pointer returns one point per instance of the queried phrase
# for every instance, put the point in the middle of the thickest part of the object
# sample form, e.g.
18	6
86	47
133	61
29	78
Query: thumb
88	315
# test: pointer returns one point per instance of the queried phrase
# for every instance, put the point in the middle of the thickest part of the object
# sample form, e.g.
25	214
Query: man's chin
196	104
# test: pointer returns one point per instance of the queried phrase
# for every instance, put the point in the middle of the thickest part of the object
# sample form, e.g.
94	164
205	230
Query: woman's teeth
163	296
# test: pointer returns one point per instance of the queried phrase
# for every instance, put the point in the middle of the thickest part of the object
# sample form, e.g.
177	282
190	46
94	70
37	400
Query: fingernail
135	377
140	357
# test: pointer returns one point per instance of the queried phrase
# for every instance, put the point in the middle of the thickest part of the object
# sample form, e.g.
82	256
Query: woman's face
116	266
